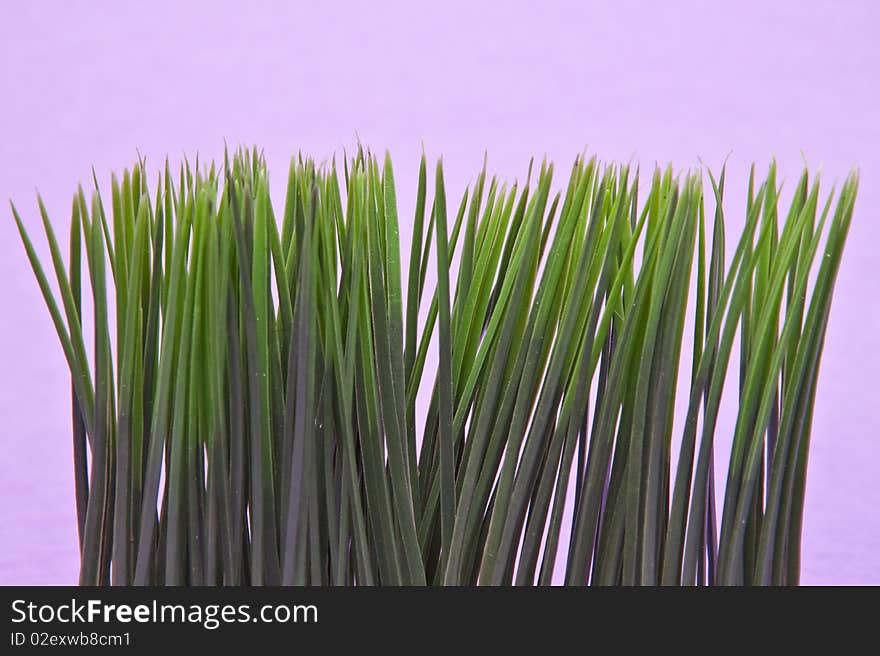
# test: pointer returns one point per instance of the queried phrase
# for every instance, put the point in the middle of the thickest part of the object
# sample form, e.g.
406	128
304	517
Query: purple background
89	83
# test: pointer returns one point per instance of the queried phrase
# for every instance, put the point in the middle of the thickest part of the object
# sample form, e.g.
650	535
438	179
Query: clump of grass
247	414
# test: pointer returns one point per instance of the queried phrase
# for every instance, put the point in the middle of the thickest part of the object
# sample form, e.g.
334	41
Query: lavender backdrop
86	84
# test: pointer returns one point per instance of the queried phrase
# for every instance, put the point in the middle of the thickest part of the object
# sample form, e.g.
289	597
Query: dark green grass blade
444	375
95	544
80	466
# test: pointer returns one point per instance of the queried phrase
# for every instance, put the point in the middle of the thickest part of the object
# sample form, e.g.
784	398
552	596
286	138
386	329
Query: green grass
247	412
